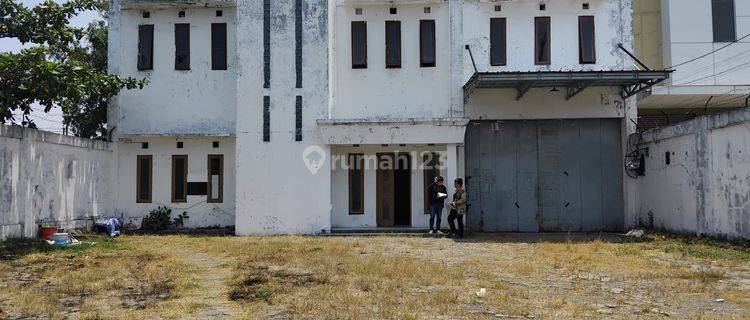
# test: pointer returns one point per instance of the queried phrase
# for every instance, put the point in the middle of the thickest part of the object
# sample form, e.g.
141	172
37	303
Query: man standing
458	209
437	194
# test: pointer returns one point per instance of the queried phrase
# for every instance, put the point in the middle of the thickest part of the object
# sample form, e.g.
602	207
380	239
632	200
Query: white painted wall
667	193
612	20
276	193
730	183
542	104
612	26
706	188
199	101
376	92
47	177
688	33
197	149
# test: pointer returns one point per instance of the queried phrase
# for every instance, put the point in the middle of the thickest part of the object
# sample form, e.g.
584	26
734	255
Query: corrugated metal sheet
544	175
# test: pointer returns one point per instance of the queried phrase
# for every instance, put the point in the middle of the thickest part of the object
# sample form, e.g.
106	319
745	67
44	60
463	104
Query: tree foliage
65	69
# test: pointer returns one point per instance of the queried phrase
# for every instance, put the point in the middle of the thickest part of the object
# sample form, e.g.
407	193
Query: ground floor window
179	178
356	184
215	178
144	178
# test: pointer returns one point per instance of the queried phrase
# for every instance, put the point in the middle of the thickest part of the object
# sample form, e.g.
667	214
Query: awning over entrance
574	82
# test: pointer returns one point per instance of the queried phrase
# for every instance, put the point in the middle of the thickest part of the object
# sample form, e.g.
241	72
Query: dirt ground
552	276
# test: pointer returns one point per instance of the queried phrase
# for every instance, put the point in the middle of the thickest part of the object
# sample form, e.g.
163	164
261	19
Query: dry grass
379	278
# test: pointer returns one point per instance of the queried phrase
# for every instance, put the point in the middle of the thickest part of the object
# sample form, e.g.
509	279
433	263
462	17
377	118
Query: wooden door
385	190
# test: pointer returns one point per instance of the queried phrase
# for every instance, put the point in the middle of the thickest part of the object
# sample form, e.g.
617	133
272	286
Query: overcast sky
51	121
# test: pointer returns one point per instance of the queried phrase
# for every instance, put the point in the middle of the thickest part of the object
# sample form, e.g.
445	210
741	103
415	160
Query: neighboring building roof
631	81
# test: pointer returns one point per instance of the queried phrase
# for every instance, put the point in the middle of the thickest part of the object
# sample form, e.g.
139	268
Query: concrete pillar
707	223
457	53
451	169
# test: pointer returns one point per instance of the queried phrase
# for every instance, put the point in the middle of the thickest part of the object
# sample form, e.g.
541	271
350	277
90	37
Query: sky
51	121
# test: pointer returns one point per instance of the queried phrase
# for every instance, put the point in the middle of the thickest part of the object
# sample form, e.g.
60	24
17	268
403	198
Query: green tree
66	68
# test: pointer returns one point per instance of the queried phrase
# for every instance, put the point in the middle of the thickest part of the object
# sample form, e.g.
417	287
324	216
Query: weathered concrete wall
199	101
612	24
705	189
276	193
47	177
411	91
197	149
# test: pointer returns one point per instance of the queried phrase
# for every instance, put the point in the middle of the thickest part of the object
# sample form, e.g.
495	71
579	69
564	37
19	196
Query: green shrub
158	219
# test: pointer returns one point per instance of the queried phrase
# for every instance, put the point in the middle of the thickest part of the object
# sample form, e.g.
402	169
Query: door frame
379	218
409	188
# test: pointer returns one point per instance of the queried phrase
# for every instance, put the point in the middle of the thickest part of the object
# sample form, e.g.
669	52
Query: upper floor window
542	55
393	44
586	40
146	47
427	43
218	46
723	20
359	44
182	46
498	42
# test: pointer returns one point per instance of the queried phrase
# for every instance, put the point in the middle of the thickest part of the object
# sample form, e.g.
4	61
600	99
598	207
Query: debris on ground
111	226
636	233
482	292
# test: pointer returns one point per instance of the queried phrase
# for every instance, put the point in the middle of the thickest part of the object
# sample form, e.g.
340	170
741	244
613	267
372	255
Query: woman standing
458	208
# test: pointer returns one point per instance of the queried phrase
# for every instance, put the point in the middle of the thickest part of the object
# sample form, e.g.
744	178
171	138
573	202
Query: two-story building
707	44
301	116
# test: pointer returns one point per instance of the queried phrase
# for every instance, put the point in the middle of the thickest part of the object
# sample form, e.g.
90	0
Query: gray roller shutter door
544	175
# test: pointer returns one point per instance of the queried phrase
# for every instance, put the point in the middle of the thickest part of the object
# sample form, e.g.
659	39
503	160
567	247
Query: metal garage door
544	175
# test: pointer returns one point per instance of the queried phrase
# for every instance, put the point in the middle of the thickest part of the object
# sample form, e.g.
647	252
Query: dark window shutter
393	44
359	44
146	47
586	39
182	46
427	43
542	55
218	46
498	42
723	20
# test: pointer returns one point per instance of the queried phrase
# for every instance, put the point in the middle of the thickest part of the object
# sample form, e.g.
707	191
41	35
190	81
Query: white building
254	108
696	167
706	43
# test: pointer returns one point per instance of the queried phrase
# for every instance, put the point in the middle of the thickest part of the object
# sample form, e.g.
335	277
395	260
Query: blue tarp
113	226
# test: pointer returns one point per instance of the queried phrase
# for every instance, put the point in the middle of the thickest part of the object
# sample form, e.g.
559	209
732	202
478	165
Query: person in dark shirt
437	194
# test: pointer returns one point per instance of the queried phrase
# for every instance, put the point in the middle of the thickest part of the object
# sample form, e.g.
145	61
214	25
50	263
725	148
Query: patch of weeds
702	275
191	285
707	249
15	248
160	219
251	288
629	250
261	283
